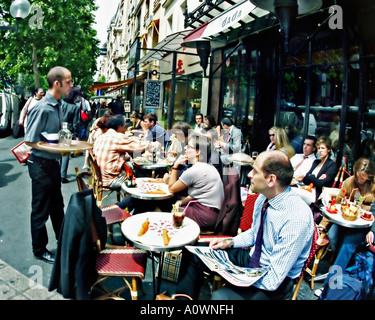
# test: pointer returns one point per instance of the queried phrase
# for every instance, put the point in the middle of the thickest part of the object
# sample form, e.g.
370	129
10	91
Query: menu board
153	91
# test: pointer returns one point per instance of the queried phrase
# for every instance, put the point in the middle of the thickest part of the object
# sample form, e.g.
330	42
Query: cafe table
76	145
152	240
147	189
337	218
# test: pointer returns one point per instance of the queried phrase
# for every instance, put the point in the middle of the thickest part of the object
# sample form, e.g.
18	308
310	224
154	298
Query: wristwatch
231	242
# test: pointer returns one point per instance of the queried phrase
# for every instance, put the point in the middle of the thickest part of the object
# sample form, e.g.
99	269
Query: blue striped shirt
287	237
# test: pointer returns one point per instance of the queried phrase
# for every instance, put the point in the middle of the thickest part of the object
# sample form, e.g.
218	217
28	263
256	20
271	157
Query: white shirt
306	164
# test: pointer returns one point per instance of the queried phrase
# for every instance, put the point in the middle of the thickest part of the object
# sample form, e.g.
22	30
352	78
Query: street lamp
19	9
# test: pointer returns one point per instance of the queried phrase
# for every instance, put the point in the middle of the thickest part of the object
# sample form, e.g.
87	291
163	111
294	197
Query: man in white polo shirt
302	162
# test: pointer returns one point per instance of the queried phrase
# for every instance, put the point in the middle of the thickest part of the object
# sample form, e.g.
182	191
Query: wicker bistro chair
99	189
124	262
84	179
314	248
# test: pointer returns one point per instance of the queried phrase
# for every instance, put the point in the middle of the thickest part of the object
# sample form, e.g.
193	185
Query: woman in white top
30	103
204	184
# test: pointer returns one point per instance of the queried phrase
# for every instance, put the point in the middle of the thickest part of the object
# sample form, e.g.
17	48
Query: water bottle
65	136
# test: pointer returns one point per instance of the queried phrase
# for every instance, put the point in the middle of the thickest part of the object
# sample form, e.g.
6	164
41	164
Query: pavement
22	277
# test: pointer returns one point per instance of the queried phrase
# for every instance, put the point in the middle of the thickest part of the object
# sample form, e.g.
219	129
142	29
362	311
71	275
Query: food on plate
157	191
308	188
144	228
166	237
350	212
156	180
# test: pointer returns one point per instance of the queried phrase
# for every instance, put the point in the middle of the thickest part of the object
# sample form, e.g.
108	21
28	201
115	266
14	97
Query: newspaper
218	261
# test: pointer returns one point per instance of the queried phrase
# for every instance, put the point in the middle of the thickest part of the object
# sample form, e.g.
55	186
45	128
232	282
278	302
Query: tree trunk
35	68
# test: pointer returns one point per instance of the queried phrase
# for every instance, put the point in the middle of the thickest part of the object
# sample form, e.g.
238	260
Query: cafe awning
232	18
170	43
116	84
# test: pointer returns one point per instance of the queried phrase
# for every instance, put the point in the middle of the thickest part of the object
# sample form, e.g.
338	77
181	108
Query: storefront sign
228	18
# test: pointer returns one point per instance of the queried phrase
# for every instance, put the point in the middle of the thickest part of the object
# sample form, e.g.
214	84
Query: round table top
241	158
76	145
338	219
147	189
153	239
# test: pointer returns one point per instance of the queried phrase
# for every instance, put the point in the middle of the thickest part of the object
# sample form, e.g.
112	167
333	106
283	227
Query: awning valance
115	85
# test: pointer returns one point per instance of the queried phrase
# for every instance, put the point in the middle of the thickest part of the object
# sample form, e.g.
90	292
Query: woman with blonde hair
282	142
360	184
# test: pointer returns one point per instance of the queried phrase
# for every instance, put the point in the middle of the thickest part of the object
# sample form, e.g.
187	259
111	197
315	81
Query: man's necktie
254	260
299	164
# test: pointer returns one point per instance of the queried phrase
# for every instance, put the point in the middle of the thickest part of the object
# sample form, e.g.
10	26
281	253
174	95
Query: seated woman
203	182
343	240
323	171
282	142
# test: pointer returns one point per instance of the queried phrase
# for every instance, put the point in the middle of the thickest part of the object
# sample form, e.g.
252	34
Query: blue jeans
64	166
351	239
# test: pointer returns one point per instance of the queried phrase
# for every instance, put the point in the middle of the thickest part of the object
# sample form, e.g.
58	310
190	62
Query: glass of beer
178	217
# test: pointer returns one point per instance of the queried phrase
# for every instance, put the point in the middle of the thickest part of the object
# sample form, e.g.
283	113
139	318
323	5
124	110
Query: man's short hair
56	73
116	122
152	117
278	163
227	121
313	138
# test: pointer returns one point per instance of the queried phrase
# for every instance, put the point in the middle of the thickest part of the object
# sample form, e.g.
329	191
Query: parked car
9	112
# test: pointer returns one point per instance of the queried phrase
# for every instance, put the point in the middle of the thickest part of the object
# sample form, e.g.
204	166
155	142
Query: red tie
298	165
254	260
228	137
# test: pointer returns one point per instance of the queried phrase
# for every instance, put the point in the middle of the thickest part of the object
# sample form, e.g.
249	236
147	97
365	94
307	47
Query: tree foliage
61	33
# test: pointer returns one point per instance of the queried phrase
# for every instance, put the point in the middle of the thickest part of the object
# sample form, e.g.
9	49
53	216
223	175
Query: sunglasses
272	135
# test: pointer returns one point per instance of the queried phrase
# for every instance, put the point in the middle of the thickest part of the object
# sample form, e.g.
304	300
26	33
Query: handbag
171	265
18	130
84	115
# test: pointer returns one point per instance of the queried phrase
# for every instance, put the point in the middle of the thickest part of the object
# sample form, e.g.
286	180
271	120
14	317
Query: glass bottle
65	136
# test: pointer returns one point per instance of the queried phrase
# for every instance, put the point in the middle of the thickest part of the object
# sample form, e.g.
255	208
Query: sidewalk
16	286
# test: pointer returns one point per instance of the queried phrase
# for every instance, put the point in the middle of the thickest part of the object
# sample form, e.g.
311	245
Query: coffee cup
178	217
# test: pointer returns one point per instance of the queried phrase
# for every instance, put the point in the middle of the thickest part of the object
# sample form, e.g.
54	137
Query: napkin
157	191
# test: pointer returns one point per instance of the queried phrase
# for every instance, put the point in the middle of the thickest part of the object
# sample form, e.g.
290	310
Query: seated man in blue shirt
155	131
288	230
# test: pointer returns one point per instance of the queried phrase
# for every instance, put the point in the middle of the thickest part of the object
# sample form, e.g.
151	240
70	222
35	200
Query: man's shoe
64	180
46	256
